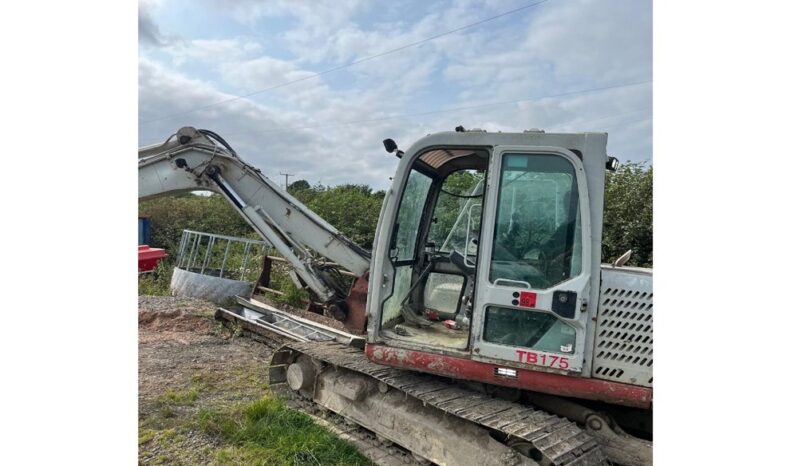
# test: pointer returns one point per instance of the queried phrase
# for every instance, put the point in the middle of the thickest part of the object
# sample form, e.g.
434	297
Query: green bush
352	209
629	214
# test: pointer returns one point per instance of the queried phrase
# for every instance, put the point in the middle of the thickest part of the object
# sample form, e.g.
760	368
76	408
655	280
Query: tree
629	214
298	185
352	209
170	215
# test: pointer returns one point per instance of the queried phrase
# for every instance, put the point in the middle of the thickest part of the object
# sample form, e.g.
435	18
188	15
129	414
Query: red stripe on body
538	381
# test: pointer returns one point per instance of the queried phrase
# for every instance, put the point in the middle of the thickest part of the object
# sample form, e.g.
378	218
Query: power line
452	109
340	67
581	123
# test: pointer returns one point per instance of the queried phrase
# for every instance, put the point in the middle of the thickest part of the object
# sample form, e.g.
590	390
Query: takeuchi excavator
482	328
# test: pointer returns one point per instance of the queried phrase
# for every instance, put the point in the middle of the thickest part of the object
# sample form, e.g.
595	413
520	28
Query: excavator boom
194	160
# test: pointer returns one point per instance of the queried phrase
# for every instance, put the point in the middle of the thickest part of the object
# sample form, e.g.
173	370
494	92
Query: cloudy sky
223	65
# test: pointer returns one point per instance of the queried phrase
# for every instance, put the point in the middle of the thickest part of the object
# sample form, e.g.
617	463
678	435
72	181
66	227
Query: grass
145	435
280	280
267	433
189	427
156	283
178	398
208	417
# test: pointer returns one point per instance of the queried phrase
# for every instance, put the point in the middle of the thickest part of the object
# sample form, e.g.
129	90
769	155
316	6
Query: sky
225	65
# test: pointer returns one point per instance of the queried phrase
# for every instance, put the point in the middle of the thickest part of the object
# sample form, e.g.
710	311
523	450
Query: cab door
533	272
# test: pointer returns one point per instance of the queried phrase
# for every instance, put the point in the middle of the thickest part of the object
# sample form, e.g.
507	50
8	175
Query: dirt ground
188	363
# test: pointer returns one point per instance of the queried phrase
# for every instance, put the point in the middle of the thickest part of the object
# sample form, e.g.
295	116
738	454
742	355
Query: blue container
144	230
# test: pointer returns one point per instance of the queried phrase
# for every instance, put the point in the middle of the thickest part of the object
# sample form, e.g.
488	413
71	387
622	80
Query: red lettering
530	357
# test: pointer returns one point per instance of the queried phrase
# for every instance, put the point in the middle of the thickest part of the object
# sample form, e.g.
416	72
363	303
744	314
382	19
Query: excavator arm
192	160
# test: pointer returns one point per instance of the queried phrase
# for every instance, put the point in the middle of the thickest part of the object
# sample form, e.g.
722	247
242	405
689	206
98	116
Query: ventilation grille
624	350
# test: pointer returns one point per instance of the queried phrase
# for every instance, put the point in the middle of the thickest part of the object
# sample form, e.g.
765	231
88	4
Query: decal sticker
541	359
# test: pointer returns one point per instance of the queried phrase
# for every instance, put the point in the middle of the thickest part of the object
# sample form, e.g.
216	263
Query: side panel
625	327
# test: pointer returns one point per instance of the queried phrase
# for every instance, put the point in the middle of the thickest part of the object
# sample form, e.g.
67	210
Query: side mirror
390	145
612	164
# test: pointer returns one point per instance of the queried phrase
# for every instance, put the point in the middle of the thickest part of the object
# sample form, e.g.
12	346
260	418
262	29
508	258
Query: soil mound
174	321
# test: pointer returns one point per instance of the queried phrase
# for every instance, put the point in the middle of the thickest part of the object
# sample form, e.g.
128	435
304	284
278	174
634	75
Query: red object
544	382
149	258
432	314
528	299
356	315
450	324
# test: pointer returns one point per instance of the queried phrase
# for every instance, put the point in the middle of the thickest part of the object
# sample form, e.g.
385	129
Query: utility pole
286	179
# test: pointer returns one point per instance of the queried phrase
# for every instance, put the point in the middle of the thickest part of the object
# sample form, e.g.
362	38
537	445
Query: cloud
149	32
262	72
550	49
316	15
608	41
211	51
266	137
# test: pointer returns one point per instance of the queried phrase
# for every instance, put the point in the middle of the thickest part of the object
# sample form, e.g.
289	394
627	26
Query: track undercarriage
429	418
435	420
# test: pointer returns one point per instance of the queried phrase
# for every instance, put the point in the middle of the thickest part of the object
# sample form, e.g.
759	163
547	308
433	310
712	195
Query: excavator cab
485	249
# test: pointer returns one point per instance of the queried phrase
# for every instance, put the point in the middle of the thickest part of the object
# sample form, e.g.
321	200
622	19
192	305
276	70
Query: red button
528	299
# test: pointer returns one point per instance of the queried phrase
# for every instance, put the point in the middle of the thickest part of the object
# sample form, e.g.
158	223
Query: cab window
537	235
457	217
531	329
411	210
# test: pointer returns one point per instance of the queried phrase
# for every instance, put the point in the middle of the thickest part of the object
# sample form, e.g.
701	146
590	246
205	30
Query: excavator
482	328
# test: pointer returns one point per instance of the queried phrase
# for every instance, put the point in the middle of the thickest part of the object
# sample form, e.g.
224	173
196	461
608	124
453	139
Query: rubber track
561	441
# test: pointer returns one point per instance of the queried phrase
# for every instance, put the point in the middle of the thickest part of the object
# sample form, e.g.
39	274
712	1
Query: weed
145	435
166	412
281	280
168	435
292	296
156	283
171	397
203	381
266	432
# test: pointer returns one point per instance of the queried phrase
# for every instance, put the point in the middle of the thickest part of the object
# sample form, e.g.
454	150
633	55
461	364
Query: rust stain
356	316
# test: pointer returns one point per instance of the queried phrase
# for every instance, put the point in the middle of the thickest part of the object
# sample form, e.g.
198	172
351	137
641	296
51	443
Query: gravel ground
189	362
